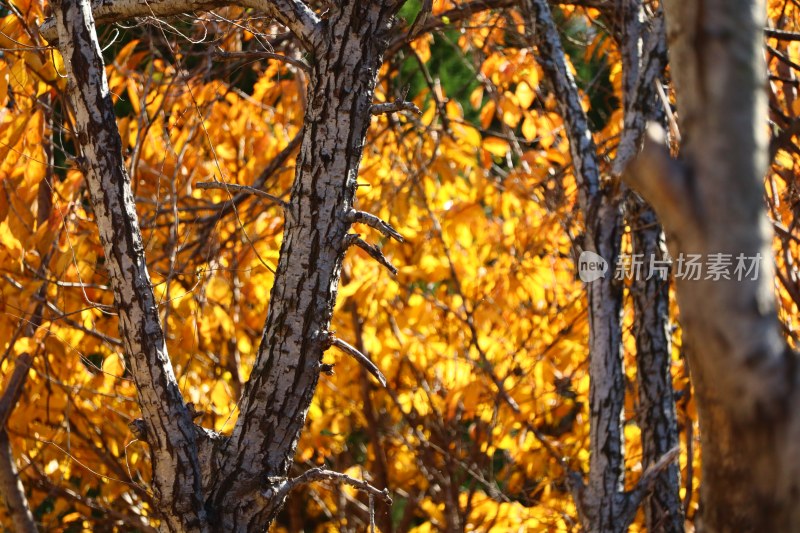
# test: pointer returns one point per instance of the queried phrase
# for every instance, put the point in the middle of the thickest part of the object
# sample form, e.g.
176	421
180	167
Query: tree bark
744	375
202	481
656	414
320	212
602	503
177	476
644	56
10	485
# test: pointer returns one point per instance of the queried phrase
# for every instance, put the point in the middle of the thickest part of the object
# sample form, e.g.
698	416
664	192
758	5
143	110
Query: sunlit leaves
481	335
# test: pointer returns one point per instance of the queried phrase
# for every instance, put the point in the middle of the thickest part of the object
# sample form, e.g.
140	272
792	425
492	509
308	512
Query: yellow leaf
220	397
525	94
529	128
487	114
467	134
511	113
3	85
19	76
496	146
476	97
3	204
113	365
785	160
133	95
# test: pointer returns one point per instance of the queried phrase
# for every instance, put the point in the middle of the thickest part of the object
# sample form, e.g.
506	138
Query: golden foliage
482	335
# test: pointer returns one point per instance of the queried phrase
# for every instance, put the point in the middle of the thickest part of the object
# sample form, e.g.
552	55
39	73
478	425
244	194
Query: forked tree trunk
644	56
603	503
202	481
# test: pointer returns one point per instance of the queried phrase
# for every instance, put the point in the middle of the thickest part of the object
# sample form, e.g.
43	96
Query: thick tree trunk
318	218
744	375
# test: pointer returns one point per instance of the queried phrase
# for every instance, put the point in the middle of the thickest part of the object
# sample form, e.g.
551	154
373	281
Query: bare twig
294	14
240	188
394	107
362	359
319	474
782	35
222	54
647	480
372	250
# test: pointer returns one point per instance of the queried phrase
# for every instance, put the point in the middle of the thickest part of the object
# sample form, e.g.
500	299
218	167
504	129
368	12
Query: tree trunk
202	481
602	503
656	415
644	56
318	218
744	375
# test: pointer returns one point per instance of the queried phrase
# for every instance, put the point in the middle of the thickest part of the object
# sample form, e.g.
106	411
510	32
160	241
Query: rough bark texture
602	502
285	374
294	14
171	434
202	481
744	375
644	56
656	414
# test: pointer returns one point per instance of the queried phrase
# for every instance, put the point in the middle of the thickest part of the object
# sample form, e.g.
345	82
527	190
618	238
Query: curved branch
294	14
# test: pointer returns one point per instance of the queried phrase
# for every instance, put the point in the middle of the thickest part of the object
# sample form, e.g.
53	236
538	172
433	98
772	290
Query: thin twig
240	188
782	35
648	479
319	474
263	55
372	250
362	359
